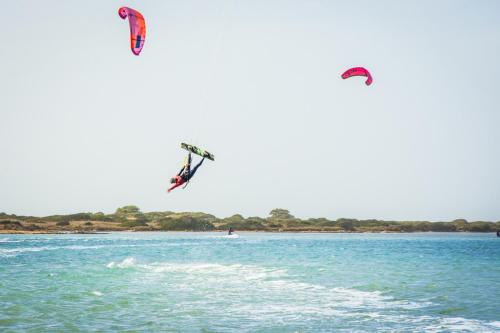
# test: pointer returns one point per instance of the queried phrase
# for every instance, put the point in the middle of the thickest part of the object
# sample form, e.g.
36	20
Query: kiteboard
198	151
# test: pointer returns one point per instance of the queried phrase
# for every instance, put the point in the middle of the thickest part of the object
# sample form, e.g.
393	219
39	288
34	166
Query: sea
257	282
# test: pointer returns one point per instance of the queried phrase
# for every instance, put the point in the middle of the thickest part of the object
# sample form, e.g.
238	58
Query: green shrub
184	223
346	224
442	226
11	224
32	227
320	222
243	225
133	223
480	227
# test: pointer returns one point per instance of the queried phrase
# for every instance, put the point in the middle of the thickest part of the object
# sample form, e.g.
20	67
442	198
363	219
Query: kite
358	71
137	28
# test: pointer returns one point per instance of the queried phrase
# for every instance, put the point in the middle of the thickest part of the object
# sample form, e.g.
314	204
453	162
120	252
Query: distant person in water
498	233
231	230
185	175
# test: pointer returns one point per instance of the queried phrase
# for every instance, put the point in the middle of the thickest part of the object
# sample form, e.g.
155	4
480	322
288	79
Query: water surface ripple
260	282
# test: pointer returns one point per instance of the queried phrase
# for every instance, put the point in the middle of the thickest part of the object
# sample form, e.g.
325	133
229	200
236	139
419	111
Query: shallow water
259	282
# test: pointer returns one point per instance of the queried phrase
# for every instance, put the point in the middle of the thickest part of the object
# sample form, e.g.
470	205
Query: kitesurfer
498	233
185	174
230	232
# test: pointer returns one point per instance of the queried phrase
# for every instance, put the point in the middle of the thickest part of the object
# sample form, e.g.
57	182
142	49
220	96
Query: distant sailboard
198	151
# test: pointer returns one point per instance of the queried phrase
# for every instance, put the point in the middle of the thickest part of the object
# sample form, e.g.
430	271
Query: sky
86	126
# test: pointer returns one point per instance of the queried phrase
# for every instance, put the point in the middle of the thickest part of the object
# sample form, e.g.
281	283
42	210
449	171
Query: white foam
15	251
225	236
97	293
283	296
241	272
458	324
27	249
83	247
125	263
495	324
275	282
18	250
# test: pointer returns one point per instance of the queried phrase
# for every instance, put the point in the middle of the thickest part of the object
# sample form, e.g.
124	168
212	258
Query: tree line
132	218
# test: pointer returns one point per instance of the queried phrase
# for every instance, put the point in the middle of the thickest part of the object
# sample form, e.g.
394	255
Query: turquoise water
260	282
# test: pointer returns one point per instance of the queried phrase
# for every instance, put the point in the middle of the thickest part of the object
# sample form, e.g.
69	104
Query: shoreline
131	218
105	232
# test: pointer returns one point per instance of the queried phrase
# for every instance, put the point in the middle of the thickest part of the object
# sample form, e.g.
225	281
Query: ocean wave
233	236
20	250
15	251
291	300
458	324
270	281
8	240
242	272
125	263
83	247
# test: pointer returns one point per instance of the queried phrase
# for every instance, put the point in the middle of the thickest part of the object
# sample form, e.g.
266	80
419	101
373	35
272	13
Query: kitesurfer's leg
188	163
187	168
196	168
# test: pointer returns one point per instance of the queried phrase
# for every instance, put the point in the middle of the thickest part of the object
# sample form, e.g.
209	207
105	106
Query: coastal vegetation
279	220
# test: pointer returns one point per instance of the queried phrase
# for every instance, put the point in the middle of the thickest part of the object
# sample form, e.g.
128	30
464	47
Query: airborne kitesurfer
185	174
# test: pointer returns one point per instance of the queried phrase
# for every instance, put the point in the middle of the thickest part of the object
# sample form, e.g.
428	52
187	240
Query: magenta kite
358	71
137	28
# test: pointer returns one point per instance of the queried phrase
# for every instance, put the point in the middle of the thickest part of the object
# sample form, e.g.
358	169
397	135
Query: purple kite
137	28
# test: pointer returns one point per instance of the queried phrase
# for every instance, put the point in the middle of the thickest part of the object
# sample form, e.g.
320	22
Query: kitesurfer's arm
176	181
180	172
174	186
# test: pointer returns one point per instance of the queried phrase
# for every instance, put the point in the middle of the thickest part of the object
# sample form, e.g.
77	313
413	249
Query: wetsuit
186	173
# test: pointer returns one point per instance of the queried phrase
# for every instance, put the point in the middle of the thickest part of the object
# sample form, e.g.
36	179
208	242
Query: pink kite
137	28
358	71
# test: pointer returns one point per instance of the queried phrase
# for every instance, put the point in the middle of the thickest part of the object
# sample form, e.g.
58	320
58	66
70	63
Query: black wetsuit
186	172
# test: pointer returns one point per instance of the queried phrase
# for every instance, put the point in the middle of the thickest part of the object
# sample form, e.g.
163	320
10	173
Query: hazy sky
87	126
